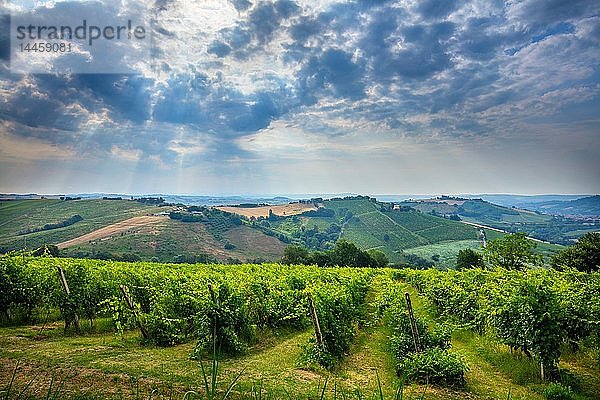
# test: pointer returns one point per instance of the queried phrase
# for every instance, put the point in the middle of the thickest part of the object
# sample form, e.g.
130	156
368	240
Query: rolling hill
423	232
550	228
370	224
584	207
130	230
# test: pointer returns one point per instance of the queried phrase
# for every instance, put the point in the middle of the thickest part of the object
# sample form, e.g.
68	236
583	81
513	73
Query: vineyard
371	224
146	329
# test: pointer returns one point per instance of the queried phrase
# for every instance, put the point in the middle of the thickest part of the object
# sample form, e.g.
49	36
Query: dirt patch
107	231
281	210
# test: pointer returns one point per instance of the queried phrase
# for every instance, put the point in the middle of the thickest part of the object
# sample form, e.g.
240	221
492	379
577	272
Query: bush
468	258
435	366
556	391
401	340
583	255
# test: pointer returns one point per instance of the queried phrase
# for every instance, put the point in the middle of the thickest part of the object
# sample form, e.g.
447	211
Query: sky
307	96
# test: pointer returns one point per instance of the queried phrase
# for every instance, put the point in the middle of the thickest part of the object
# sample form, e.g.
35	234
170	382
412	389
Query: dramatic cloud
317	96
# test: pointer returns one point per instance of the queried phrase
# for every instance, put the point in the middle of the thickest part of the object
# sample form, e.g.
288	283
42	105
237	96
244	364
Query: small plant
121	316
431	363
210	381
557	391
435	366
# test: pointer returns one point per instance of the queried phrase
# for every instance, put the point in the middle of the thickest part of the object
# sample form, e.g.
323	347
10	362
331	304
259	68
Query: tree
583	255
295	255
512	251
47	250
346	254
468	258
379	258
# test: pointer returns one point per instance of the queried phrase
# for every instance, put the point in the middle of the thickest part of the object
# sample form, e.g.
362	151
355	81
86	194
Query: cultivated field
132	223
260	316
263	211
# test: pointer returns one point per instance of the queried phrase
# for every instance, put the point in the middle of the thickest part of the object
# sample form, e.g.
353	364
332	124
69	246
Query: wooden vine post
131	306
214	322
413	323
65	286
315	320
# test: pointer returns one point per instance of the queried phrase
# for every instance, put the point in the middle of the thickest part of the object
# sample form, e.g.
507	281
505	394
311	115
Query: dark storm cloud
219	49
212	106
424	54
127	96
256	31
4	36
335	71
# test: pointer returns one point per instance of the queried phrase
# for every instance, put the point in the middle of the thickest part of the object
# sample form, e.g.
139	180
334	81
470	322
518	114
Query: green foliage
295	255
527	316
379	258
513	251
344	254
556	391
174	303
415	261
435	366
468	258
339	309
582	256
536	311
225	323
121	316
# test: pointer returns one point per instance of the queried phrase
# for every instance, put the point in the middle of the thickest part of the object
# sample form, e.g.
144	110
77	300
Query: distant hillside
584	207
424	232
122	229
22	221
394	230
551	228
510	200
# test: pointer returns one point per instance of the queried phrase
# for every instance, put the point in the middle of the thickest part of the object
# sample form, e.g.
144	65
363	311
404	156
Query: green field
19	216
362	220
39	360
164	240
550	228
446	251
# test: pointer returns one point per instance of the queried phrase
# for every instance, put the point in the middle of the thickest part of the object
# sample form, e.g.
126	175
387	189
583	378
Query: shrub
556	391
436	366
